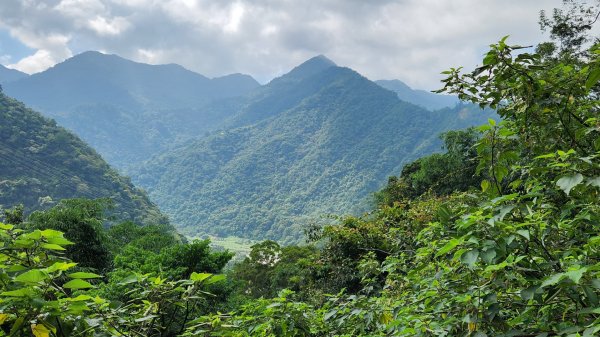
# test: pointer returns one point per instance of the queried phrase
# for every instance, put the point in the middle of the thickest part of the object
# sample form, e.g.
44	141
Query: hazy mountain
314	141
9	75
128	110
41	163
423	98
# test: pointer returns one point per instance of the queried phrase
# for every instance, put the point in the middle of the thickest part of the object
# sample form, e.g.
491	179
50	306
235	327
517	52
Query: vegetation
509	249
42	163
154	292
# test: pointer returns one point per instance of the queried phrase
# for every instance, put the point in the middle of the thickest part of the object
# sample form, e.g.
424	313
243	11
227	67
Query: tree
439	174
81	220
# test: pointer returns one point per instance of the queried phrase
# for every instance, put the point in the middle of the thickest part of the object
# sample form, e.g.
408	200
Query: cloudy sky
412	40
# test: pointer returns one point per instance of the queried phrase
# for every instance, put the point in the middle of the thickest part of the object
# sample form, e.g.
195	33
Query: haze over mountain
126	110
9	75
425	99
42	163
316	140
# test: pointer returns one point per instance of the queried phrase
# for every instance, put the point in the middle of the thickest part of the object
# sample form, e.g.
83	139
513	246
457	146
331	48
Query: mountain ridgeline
316	140
42	163
9	75
124	109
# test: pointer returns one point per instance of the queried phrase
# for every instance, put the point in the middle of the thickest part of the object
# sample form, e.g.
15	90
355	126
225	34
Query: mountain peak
310	67
94	56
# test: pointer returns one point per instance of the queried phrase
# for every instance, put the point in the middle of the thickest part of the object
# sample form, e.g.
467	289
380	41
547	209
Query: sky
410	40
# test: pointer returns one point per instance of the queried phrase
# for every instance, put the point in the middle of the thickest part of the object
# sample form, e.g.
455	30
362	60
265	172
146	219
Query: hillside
124	109
42	163
312	142
425	99
9	75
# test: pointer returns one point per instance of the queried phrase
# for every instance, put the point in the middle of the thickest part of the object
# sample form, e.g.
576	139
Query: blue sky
11	49
411	40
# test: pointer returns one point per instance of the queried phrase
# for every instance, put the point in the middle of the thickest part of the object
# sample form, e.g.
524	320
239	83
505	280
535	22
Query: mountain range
227	156
124	109
316	140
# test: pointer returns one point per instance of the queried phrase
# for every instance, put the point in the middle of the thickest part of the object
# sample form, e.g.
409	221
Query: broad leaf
77	284
567	183
448	246
469	258
32	276
39	330
593	78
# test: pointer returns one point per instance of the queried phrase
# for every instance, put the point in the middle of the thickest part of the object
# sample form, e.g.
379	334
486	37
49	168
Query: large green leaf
32	276
77	284
567	183
19	292
593	78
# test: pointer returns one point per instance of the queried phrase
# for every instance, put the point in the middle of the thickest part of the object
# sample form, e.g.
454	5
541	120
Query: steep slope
41	163
9	75
423	98
314	142
127	110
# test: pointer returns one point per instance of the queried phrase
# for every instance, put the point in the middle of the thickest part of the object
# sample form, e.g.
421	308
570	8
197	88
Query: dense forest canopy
506	244
316	140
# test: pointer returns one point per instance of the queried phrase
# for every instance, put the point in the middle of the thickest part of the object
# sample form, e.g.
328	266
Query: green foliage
439	174
34	292
152	238
40	294
280	316
270	268
159	307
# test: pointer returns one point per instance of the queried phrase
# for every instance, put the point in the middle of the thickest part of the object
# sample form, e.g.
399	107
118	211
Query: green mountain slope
9	75
127	110
41	163
423	98
315	141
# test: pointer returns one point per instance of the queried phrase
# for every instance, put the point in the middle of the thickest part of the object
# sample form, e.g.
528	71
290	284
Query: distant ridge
8	75
423	98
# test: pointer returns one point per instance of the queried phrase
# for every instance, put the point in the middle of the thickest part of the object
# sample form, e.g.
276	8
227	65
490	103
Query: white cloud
106	27
41	60
412	40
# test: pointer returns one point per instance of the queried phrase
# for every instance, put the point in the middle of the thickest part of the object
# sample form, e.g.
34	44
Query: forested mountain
42	163
9	75
316	140
422	98
127	110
